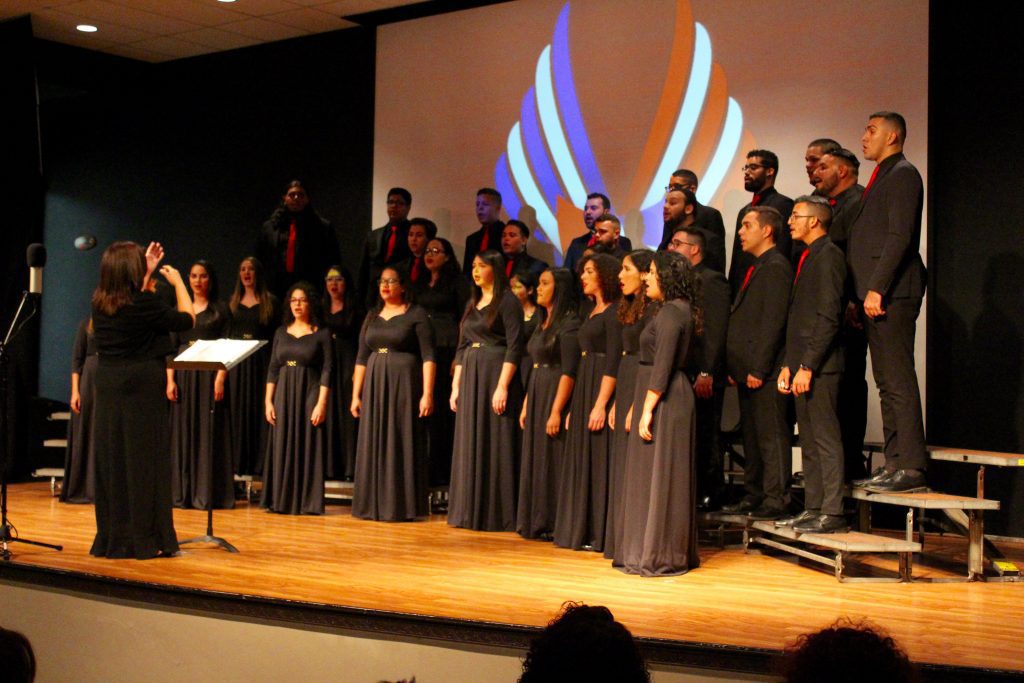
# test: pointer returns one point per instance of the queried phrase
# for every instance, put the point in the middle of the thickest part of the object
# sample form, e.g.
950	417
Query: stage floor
734	600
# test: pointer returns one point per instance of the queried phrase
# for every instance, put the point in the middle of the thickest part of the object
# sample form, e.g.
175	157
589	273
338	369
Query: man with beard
815	150
295	243
597	205
707	218
384	246
836	180
759	175
676	213
488	236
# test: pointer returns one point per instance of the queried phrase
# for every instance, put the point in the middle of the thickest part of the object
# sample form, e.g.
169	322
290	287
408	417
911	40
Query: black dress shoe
741	508
766	512
876	475
823	524
804	516
900	481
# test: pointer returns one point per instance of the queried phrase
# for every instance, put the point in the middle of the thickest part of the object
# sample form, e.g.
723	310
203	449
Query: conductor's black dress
79	484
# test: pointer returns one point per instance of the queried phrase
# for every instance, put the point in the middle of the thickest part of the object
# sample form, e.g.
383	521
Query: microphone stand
6	529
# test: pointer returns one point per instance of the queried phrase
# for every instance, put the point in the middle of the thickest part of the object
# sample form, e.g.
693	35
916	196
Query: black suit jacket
757	323
524	263
375	249
579	245
709	221
783	242
316	248
816	311
845	206
885	235
709	347
474	241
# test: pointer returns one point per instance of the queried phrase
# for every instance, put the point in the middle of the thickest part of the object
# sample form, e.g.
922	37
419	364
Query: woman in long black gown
298	385
202	470
659	536
554	353
133	461
392	391
486	398
524	286
583	482
255	314
342	317
79	485
444	296
633	316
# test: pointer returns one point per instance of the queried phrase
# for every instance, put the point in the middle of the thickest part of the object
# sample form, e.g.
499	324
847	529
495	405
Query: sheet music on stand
212	355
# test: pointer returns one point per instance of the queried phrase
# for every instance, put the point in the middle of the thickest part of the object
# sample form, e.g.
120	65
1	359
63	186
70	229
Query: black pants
821	446
709	447
767	444
853	401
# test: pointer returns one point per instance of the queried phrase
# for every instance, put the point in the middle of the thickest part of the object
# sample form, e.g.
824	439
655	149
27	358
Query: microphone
36	257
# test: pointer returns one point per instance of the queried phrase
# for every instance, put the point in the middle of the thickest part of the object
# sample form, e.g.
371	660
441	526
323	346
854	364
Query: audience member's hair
584	643
16	657
847	652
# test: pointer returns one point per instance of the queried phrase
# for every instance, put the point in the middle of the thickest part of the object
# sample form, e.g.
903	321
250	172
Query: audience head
847	652
607	228
488	205
599	277
399	201
421	231
514	238
302	303
597	204
685	178
584	643
759	229
202	280
440	257
122	272
295	198
816	148
837	171
884	135
679	205
760	171
17	657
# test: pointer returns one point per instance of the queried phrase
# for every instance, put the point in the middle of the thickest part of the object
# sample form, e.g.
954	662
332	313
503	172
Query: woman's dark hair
349	297
528	280
565	304
19	661
212	294
847	652
632	307
607	268
584	643
677	280
122	270
403	280
315	311
496	261
259	287
450	269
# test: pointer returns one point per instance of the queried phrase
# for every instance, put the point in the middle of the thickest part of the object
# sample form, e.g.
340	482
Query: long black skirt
659	531
79	484
201	465
342	428
293	472
625	386
583	480
541	457
133	461
483	484
441	425
391	461
246	392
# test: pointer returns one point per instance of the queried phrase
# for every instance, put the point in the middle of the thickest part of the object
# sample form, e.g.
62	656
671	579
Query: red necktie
746	280
391	244
415	275
803	257
874	174
485	240
832	201
592	241
289	256
756	200
508	267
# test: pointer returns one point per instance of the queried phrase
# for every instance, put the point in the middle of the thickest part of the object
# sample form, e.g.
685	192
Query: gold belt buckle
382	349
192	342
536	365
476	345
583	354
246	336
291	363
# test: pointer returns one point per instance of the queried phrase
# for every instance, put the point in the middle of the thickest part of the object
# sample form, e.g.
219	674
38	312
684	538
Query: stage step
59	416
54	473
55	443
841	544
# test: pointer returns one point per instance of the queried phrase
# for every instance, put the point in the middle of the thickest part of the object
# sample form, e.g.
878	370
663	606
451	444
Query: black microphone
36	257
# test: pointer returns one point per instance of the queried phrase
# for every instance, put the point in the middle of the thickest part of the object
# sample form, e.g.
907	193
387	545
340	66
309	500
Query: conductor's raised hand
171	274
154	255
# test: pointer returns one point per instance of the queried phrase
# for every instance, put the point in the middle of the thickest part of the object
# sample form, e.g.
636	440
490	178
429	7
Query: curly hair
678	281
450	269
847	652
584	643
607	268
315	313
632	307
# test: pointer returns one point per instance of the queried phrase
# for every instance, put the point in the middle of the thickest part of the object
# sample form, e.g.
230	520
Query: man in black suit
813	364
421	231
837	181
815	150
759	175
597	205
514	239
757	329
889	282
488	235
707	366
386	245
707	218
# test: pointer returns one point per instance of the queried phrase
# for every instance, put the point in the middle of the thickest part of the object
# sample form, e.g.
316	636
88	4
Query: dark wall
976	250
195	154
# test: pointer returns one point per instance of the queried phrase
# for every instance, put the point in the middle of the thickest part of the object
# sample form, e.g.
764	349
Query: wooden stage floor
734	602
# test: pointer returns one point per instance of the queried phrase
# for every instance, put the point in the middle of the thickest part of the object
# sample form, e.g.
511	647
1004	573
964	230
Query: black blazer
709	221
475	239
816	311
757	323
524	263
885	236
709	347
783	242
579	245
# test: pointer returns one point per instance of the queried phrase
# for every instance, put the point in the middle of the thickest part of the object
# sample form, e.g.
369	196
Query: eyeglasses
389	281
801	215
752	167
434	250
675	187
680	243
296	301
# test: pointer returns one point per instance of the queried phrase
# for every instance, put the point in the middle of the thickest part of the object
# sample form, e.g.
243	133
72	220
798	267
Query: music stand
214	355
